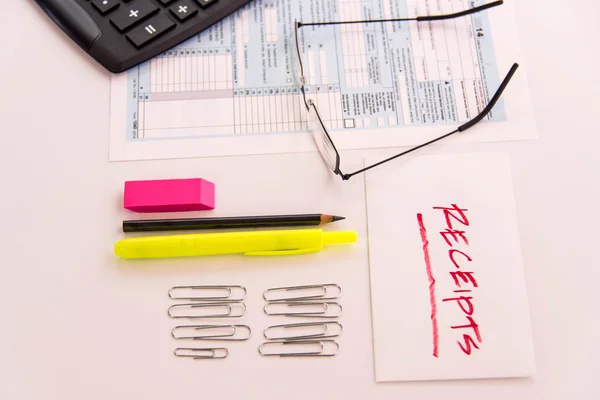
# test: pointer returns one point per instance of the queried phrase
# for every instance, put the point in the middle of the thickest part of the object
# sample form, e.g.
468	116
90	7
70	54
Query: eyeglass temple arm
418	19
493	101
462	128
461	13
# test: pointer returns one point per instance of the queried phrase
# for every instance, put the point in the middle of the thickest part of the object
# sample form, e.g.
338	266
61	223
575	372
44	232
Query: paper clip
307	330
320	348
328	291
191	293
227	310
213	332
304	309
202	354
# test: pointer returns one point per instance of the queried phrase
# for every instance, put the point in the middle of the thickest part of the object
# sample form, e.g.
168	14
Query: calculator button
128	16
105	6
165	2
183	10
205	3
150	30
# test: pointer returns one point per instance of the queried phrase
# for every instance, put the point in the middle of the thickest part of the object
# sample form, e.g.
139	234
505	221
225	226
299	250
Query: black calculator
121	34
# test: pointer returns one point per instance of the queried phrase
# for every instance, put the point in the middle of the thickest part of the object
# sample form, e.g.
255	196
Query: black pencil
264	221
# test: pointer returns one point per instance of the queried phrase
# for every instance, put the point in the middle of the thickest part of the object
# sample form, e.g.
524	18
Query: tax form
232	89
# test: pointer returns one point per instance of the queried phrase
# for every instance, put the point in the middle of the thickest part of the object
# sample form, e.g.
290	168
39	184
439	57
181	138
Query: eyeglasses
326	147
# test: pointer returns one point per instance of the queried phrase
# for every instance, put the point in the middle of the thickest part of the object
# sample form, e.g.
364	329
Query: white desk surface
78	324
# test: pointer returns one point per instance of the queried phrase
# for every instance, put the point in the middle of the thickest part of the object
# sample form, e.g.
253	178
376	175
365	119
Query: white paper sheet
447	285
232	90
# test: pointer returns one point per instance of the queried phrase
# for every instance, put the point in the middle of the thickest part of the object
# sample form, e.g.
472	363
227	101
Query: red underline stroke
434	323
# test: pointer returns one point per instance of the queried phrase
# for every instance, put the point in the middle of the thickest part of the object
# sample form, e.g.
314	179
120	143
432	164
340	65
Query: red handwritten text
434	323
464	281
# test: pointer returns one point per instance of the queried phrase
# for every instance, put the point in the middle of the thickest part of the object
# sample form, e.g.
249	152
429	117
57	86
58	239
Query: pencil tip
337	218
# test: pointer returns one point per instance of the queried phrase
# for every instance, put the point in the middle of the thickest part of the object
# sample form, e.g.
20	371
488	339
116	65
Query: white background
76	323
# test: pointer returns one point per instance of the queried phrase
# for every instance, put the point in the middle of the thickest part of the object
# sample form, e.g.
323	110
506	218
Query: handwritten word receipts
444	252
461	297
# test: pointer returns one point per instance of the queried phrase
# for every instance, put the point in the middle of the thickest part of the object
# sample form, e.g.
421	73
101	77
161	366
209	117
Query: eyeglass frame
310	104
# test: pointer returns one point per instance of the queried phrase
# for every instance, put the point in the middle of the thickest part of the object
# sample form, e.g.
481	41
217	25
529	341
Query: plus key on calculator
121	34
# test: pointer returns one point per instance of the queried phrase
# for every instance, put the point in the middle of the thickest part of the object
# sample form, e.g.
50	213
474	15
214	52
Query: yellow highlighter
254	243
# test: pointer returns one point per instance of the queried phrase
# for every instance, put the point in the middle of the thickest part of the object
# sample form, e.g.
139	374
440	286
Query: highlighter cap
339	237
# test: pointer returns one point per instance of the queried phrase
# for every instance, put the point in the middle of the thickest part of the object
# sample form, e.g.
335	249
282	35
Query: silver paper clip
300	348
328	291
219	310
213	332
202	354
308	330
208	293
304	309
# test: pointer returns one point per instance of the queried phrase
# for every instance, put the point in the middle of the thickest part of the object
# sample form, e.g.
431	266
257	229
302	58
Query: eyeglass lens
315	123
321	138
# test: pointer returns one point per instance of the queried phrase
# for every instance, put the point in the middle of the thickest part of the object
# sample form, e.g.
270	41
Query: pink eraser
169	195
